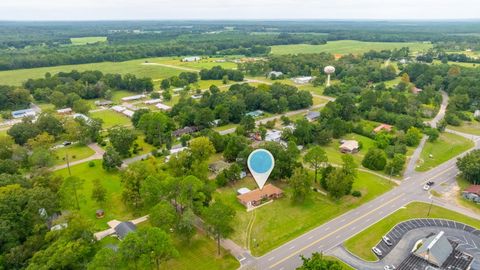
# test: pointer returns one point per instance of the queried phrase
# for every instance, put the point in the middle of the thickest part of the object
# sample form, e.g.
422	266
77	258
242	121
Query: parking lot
470	245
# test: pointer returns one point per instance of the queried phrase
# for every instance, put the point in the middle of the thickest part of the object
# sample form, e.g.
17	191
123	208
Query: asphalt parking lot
397	232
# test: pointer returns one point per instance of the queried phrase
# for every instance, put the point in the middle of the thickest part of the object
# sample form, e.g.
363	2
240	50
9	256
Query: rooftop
258	194
124	228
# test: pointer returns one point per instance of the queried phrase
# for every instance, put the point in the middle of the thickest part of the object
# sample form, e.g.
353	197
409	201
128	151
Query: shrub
91	164
356	193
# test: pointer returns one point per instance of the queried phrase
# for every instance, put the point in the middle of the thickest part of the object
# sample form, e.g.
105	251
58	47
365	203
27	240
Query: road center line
337	230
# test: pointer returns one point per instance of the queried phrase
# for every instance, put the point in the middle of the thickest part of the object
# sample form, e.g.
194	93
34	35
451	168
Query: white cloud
237	9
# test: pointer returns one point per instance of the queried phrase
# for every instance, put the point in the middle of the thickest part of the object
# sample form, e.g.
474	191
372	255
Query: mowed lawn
280	221
87	40
362	243
447	146
111	118
114	207
472	127
75	152
348	46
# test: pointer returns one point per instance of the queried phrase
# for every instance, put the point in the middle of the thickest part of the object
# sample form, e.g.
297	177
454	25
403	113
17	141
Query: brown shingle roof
473	189
257	194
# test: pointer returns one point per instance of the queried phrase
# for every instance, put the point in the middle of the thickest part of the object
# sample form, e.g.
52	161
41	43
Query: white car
389	267
387	240
377	251
426	187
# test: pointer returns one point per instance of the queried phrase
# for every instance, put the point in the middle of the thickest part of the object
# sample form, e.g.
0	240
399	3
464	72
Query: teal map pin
260	163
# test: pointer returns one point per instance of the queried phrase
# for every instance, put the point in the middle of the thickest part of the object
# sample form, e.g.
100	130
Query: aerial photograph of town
234	134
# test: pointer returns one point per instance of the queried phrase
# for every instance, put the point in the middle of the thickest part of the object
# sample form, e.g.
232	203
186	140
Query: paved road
330	235
97	155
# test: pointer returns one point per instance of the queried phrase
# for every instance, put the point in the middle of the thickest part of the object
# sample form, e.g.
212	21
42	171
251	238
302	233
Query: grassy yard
335	156
348	46
204	63
281	221
463	184
200	253
446	147
136	67
87	40
111	118
362	243
472	127
75	152
114	207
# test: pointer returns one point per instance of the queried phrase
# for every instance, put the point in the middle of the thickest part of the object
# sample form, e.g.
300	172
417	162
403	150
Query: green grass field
472	127
348	46
17	77
362	243
87	40
114	207
111	118
281	221
75	152
446	147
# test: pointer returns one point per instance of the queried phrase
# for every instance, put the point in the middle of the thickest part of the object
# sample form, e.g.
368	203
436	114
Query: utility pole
68	163
430	207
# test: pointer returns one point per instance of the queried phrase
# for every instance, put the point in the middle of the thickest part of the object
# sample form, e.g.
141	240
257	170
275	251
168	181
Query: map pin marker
260	162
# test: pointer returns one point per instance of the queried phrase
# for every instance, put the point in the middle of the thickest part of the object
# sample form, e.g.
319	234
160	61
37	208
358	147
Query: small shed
218	166
312	116
255	114
100	213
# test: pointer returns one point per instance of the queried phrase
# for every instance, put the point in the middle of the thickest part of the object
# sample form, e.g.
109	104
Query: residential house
185	130
118	108
65	111
255	114
302	80
274	74
472	193
273	136
24	113
103	103
191	59
152	101
124	228
258	196
312	116
128	113
218	166
163	107
384	127
131	98
349	146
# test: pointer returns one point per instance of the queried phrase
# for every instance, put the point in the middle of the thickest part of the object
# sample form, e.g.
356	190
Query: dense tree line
219	73
64	88
231	106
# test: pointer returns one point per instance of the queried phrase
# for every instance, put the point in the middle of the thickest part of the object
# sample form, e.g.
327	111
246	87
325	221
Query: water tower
329	70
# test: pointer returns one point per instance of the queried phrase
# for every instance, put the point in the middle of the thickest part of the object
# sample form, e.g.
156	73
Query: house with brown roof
472	193
257	197
381	127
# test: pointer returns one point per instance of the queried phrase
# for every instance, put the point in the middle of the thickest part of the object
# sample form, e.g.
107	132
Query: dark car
66	143
430	183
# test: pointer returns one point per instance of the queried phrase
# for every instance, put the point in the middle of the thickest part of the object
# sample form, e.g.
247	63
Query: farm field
361	244
447	146
87	40
348	46
282	221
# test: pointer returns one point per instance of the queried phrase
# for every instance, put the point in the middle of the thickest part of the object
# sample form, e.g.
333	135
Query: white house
65	111
153	101
191	59
302	80
476	114
128	113
24	113
163	107
136	97
119	108
274	74
273	135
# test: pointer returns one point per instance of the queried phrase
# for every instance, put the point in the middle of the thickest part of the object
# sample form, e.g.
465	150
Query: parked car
389	267
430	183
66	143
387	240
426	187
377	251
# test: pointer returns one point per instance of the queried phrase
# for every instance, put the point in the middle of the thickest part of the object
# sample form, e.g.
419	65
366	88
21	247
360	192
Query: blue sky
237	9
